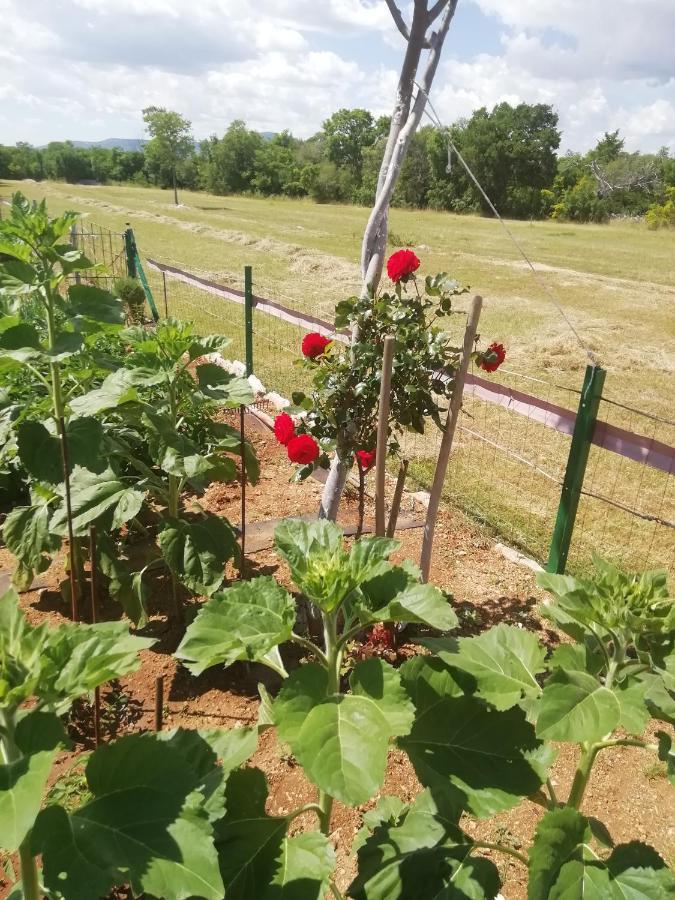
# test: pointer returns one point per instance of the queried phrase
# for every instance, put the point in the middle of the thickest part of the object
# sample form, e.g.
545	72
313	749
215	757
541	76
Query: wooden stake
398	494
448	435
159	702
74	597
383	433
94	602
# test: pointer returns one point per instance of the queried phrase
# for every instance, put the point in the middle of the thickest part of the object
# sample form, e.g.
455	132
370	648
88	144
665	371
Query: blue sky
84	69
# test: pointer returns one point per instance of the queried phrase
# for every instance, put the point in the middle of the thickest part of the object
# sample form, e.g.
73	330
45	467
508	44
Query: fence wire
506	468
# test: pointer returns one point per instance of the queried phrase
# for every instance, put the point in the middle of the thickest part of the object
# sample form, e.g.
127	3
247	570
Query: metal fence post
248	317
130	248
584	426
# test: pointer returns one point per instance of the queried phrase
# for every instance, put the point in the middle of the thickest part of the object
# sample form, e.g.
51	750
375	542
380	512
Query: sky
84	69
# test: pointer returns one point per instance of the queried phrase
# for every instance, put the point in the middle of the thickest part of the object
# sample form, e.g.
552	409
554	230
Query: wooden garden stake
448	435
159	702
94	602
398	494
74	598
383	433
242	448
362	500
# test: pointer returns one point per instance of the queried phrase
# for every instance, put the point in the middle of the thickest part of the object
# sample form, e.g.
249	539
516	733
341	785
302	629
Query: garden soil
628	790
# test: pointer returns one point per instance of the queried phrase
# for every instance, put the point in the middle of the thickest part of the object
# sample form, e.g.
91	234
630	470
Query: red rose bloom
365	459
284	428
314	344
302	449
493	357
401	265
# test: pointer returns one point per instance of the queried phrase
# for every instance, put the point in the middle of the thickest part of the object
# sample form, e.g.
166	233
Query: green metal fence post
248	317
591	394
130	248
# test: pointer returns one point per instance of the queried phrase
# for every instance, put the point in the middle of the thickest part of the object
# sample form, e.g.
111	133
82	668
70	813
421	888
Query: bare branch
436	10
398	19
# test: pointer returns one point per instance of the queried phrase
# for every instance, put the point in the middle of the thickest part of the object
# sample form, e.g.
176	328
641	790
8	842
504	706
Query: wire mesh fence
105	249
507	468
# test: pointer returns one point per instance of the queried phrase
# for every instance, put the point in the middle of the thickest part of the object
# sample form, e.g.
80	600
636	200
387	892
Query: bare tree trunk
405	118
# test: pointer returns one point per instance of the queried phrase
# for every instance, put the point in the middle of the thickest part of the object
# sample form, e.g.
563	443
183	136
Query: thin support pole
73	244
584	426
74	598
130	250
362	501
383	433
166	299
248	318
159	702
448	436
398	494
93	556
242	450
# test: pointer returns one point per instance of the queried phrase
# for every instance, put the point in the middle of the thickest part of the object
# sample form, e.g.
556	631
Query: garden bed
627	790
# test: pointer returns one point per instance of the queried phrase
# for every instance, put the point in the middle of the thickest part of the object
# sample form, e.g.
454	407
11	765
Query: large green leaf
147	806
89	302
576	707
396	596
504	662
637	872
249	842
247	621
40	450
27	535
492	759
304	689
381	683
102	498
559	834
427	680
421	852
305	865
15	334
21	652
127	587
229	438
631	694
219	385
22	781
197	551
342	746
177	455
115	390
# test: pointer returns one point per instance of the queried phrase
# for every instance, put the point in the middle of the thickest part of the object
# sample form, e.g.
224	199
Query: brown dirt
627	791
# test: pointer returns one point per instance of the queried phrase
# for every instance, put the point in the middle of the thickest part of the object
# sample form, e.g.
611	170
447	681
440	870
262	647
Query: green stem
551	791
502	848
310	647
582	775
333	657
54	368
308	807
336	892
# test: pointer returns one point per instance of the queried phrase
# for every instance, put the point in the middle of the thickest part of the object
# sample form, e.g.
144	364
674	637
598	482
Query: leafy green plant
478	719
131	292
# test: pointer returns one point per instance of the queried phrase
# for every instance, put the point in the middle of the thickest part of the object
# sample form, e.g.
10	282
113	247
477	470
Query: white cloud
85	68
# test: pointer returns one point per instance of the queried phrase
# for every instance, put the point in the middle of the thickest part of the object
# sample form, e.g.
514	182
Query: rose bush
314	344
401	265
493	357
303	449
284	428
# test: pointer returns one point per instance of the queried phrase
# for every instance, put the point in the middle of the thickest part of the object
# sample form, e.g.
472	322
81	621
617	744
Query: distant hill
109	143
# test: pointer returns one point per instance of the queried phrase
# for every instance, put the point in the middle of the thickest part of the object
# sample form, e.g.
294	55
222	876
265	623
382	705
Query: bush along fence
559	472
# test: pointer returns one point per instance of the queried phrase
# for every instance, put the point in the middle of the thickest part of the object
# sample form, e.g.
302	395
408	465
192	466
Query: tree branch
398	19
436	10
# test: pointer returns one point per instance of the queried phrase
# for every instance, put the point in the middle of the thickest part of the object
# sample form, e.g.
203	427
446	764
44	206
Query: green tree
228	163
348	132
276	167
171	142
511	150
608	148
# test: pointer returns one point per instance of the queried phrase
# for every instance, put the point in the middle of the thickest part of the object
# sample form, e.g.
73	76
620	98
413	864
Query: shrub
131	292
662	215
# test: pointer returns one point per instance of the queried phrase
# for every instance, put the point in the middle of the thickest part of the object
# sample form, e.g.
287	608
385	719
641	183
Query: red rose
401	265
314	344
302	449
284	428
365	459
493	357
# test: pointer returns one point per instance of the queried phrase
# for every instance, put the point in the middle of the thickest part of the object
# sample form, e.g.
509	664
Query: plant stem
54	368
310	647
502	848
308	807
336	892
333	657
551	791
582	775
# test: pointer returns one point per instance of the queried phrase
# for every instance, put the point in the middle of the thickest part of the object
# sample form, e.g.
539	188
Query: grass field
616	283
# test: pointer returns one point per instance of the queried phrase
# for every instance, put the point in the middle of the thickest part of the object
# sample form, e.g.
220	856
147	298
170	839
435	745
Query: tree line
512	150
